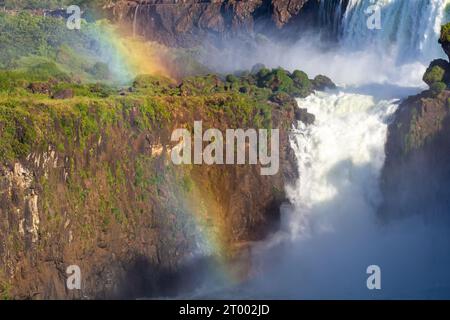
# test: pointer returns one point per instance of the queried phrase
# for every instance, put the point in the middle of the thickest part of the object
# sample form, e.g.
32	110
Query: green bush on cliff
302	82
435	72
5	290
231	78
445	33
201	85
438	87
17	130
322	82
278	80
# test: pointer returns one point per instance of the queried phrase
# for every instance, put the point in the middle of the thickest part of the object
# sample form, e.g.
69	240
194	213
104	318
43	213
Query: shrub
301	79
435	72
321	82
232	78
438	87
445	34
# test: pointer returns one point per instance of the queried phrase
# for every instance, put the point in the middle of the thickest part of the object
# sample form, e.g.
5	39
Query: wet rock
189	24
304	116
322	83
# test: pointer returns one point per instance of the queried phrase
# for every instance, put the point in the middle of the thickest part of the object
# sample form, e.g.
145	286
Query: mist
334	227
333	230
346	67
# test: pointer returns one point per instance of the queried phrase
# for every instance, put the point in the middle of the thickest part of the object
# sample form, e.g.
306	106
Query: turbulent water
331	232
409	28
398	53
341	154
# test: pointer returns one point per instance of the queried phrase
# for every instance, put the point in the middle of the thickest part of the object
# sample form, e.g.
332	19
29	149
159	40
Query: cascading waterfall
339	156
135	20
409	28
331	234
398	53
339	160
330	15
344	150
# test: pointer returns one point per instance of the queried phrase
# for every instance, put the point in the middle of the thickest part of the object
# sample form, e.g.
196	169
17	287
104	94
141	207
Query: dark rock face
189	22
304	116
416	175
115	205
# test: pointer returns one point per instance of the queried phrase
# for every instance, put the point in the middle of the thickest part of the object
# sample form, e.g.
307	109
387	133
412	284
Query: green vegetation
445	34
435	72
438	87
42	47
437	76
47	4
5	290
31	118
54	91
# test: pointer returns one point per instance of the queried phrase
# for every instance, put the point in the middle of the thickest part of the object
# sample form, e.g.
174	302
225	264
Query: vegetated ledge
416	175
86	179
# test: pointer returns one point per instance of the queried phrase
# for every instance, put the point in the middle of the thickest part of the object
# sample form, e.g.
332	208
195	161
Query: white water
397	54
332	232
343	152
409	29
136	11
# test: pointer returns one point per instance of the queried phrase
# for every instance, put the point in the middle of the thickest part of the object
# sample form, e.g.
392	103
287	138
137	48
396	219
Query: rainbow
129	56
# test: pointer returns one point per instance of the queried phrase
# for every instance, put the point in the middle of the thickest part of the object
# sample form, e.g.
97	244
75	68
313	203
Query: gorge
364	169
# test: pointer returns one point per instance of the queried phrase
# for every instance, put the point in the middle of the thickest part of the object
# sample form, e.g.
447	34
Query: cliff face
190	22
88	181
416	176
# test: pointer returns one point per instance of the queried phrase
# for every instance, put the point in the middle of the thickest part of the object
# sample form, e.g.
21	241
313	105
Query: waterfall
135	20
331	231
331	234
330	15
339	158
411	28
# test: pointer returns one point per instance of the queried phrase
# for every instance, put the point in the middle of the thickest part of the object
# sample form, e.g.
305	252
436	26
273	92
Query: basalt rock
189	22
416	174
93	185
302	114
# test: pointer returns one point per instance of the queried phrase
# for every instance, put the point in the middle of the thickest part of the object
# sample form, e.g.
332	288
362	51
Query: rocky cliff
416	176
190	22
86	179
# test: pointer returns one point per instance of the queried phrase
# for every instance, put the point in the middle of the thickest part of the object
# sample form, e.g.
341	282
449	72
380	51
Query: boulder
304	116
322	83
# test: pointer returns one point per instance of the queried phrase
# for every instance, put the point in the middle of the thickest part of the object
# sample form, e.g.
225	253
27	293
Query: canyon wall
416	176
89	182
192	22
